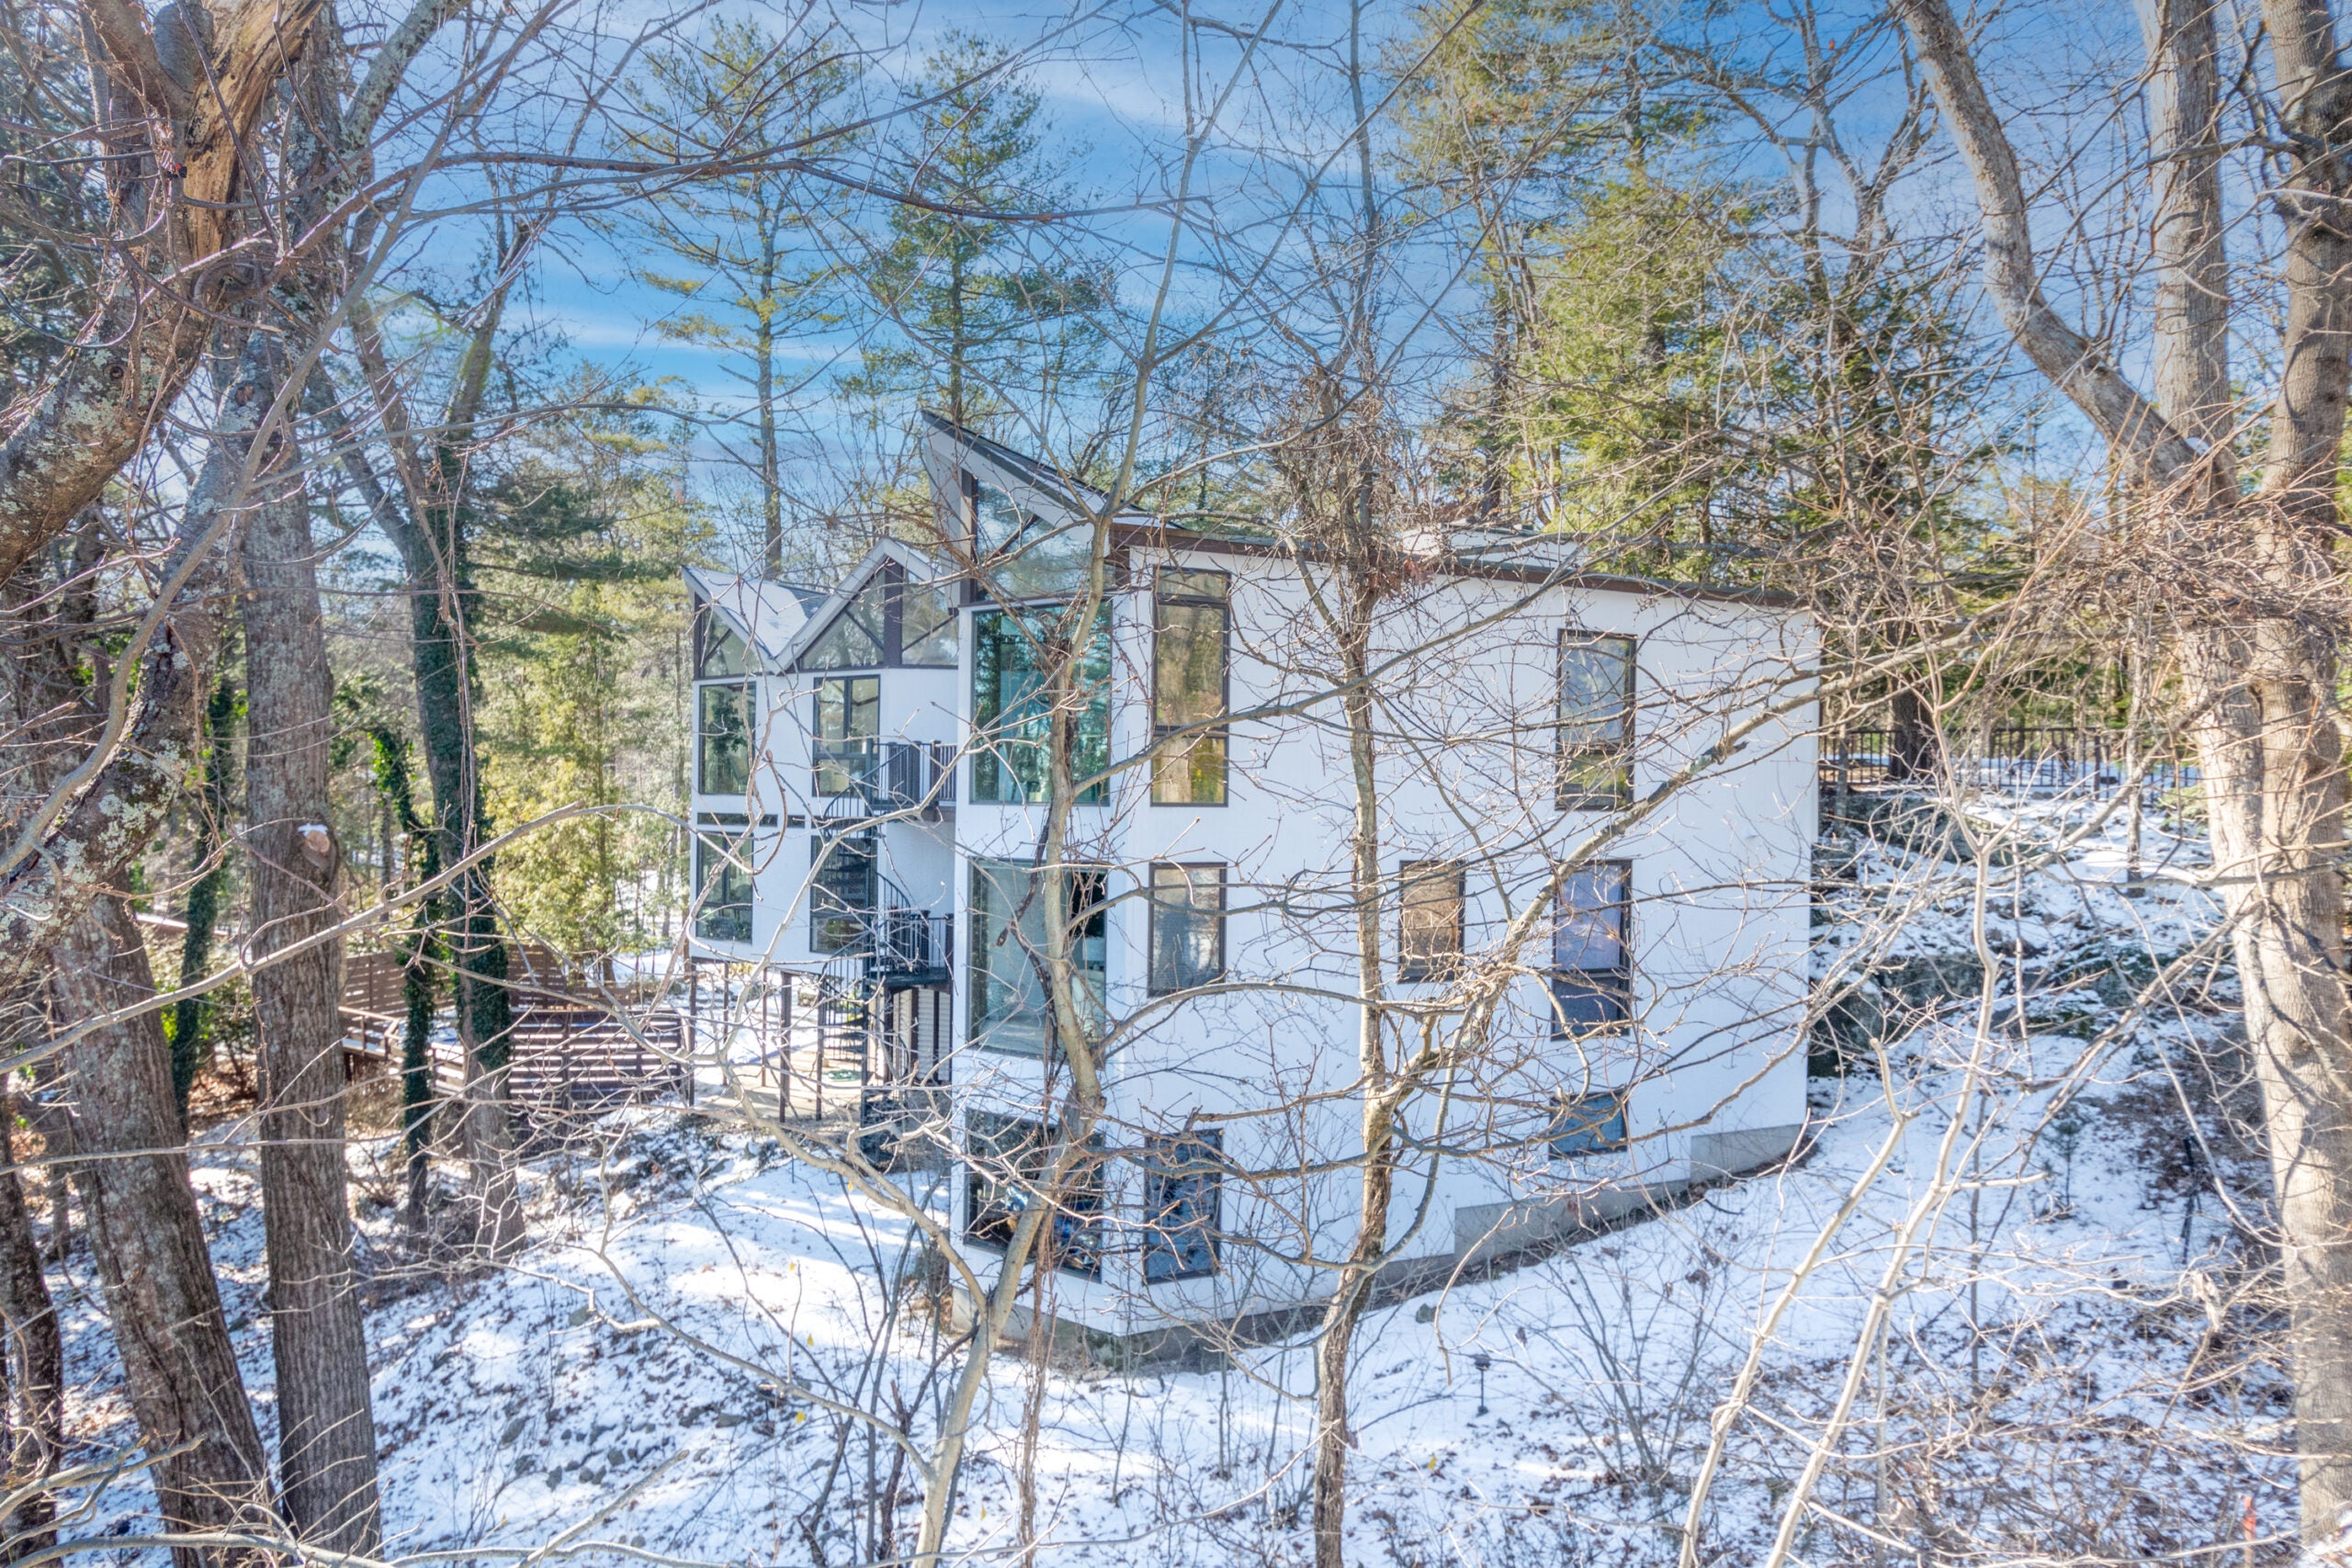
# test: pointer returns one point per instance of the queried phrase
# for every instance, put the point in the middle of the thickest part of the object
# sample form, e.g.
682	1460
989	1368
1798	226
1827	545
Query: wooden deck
761	1044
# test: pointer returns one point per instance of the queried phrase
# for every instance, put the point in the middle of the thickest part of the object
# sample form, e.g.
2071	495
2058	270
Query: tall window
849	718
1592	967
1182	1193
1187	927
1429	936
1191	645
723	886
1596	732
1008	929
723	738
842	883
1008	1161
1012	710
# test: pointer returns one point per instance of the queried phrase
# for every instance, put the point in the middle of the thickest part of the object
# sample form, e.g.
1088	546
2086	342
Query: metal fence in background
2025	761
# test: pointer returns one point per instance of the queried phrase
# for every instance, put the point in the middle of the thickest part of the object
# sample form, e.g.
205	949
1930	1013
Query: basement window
1006	1160
1183	1190
1592	1124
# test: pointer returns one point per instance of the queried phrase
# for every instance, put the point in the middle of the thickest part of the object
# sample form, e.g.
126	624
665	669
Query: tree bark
1911	748
202	908
115	814
36	1361
179	1366
2191	321
326	1444
2257	632
175	163
431	535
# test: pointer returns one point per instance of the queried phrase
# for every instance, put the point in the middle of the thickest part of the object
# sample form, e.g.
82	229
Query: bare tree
2256	641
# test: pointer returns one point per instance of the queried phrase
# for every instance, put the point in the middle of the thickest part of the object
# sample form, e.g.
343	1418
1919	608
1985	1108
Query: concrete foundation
1488	1239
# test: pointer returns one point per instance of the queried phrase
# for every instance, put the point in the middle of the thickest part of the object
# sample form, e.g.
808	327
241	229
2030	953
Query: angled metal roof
766	613
917	565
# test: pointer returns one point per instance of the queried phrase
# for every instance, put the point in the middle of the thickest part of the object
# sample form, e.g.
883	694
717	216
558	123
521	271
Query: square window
1591	950
1184	1189
1187	927
1005	1160
1596	722
1592	1124
1430	935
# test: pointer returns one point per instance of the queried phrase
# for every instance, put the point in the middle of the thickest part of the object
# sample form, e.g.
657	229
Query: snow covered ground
2072	1367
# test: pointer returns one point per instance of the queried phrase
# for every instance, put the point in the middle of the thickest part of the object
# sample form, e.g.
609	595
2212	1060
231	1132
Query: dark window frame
1612	988
992	754
903	589
1050	554
1599	1125
1167	764
1072	1243
733	857
1163	1183
1423	969
747	692
895	589
707	618
1153	985
842	754
1568	756
981	1030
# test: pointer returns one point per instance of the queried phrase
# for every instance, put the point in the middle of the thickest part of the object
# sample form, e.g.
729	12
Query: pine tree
981	320
752	268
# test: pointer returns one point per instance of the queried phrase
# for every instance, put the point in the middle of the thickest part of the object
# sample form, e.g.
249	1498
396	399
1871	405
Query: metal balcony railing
911	944
881	778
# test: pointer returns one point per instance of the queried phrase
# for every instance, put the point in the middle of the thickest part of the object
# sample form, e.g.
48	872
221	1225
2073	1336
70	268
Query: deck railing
2020	759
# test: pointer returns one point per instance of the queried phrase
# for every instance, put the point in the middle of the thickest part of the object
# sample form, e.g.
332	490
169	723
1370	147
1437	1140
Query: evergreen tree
750	264
984	323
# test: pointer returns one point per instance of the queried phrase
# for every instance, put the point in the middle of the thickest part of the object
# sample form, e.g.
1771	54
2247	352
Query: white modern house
1593	803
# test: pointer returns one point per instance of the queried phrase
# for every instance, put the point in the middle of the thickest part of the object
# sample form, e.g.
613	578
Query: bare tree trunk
36	1361
2257	627
326	1445
2274	775
1377	1182
179	1368
1911	748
